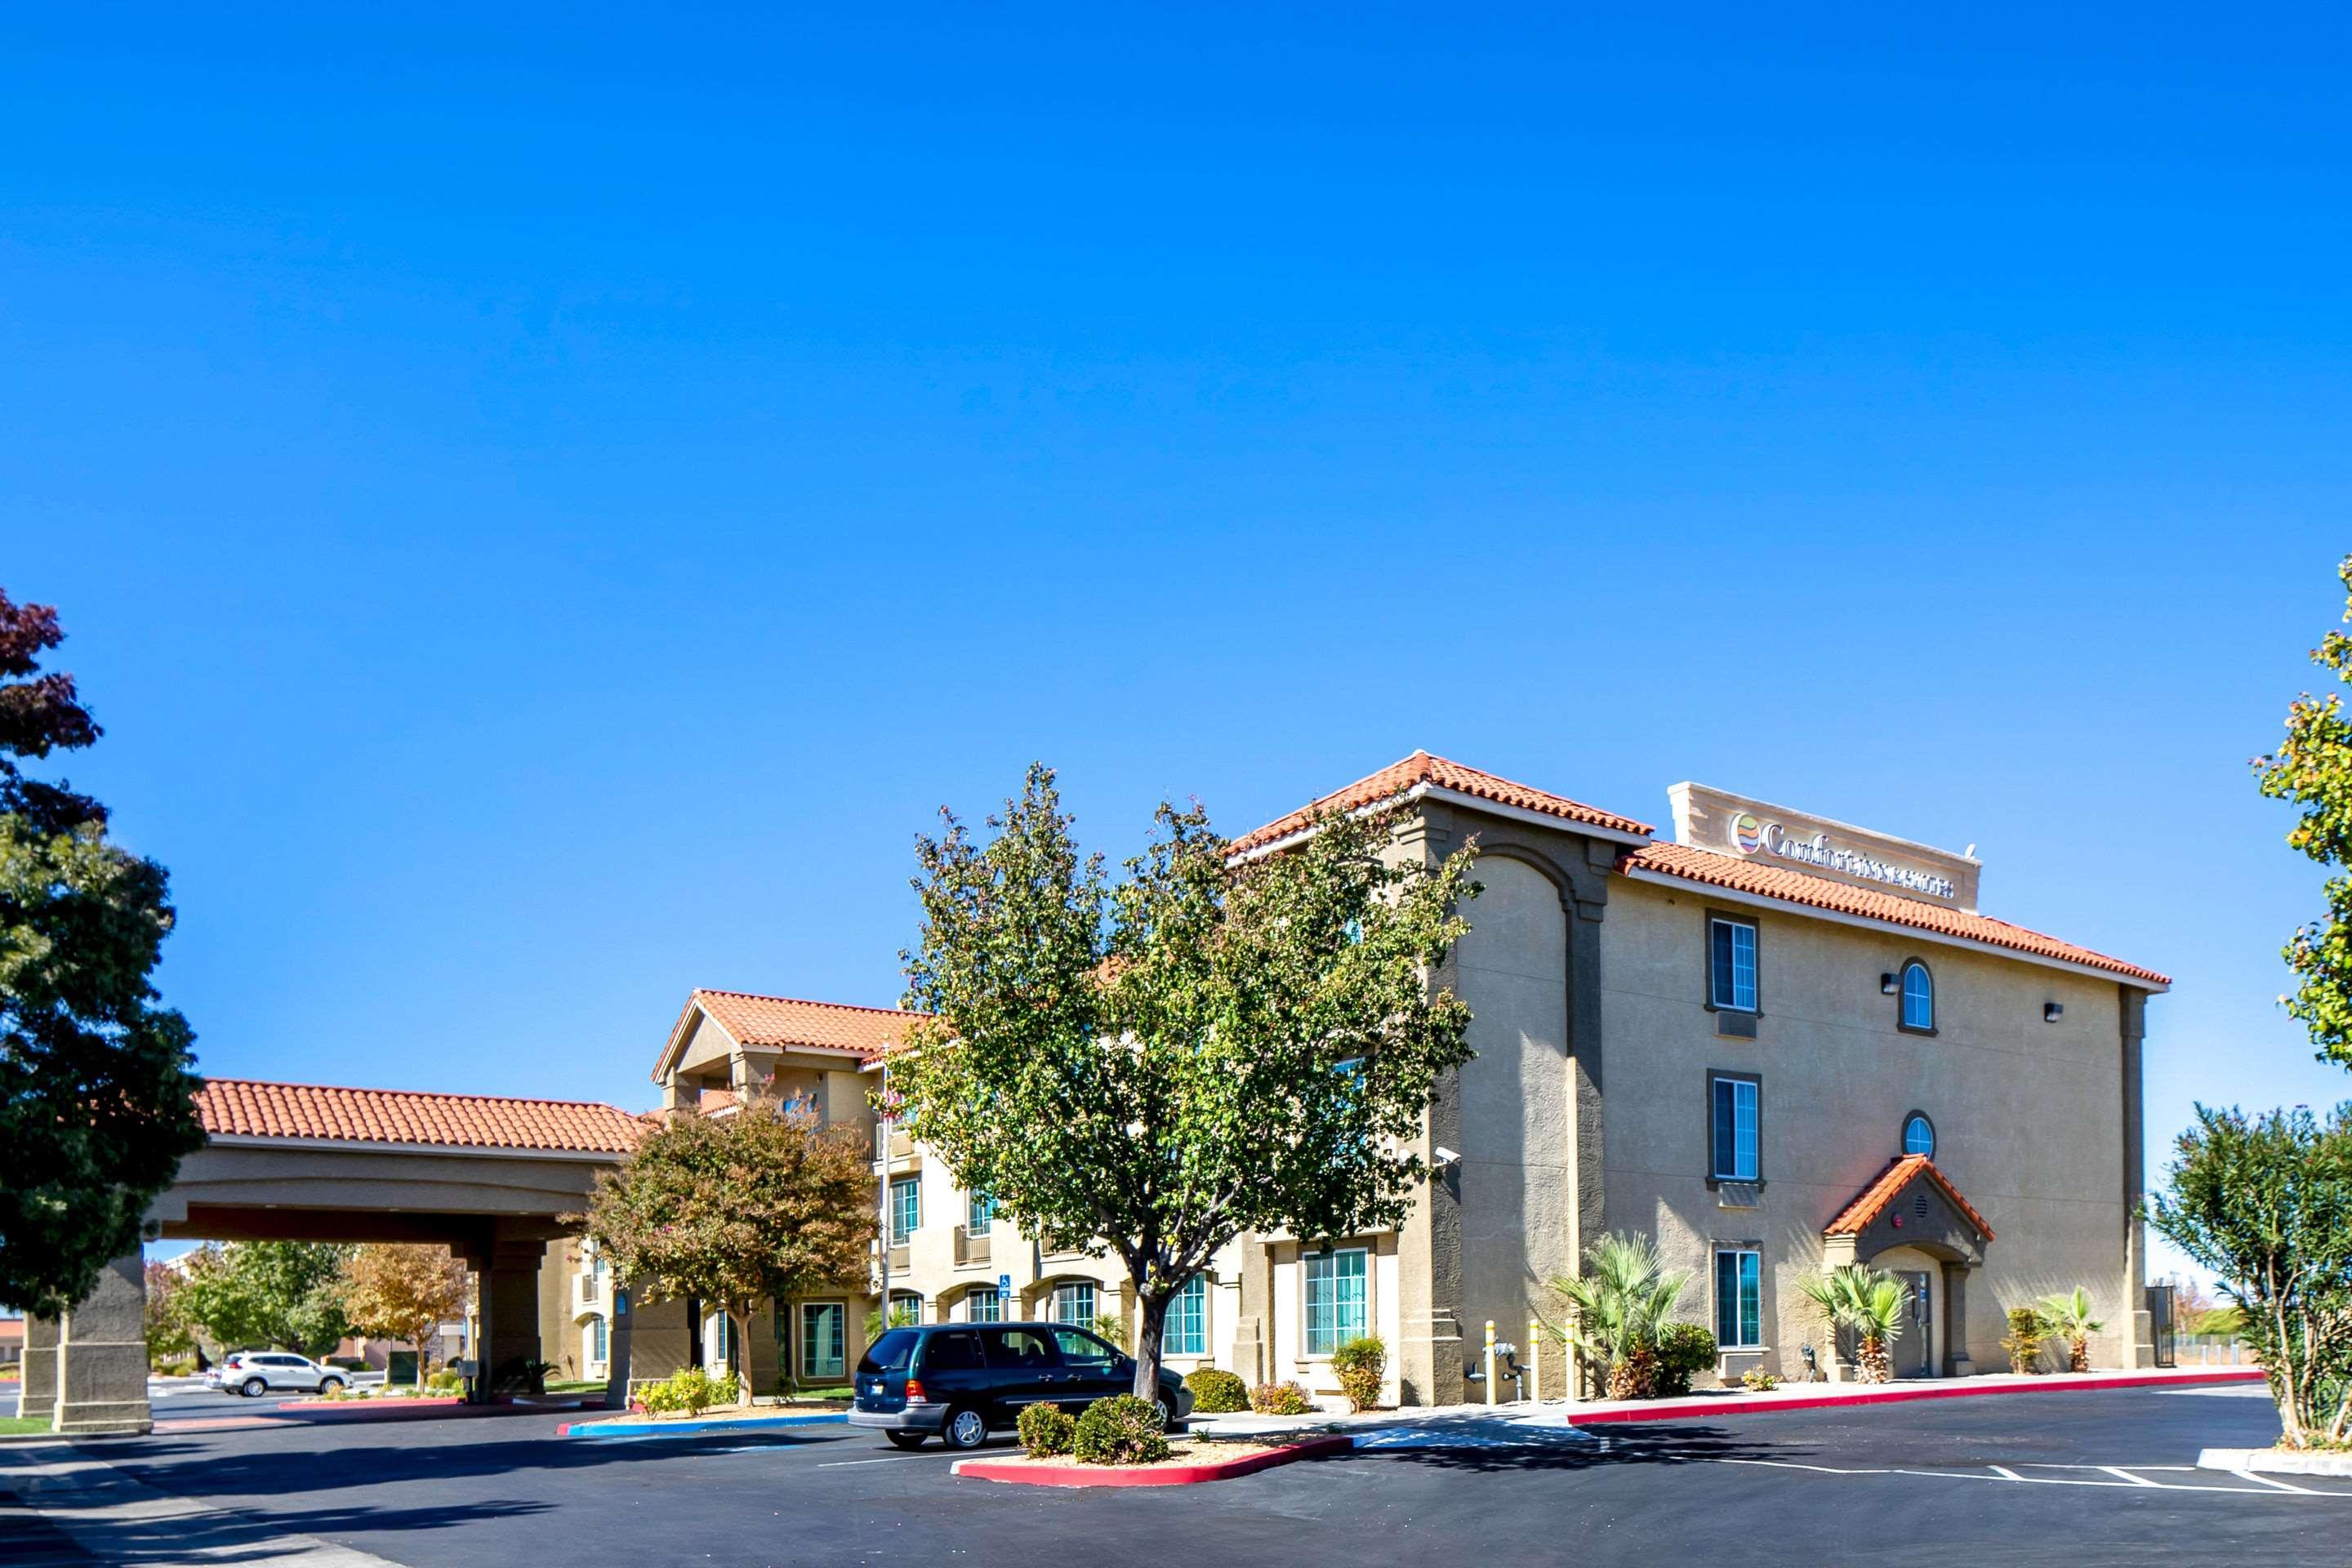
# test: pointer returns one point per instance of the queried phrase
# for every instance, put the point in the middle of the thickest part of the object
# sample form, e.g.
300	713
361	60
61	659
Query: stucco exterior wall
2029	1115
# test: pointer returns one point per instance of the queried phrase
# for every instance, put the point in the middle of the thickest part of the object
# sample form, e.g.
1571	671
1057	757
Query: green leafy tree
287	1295
1212	1044
738	1209
169	1332
2312	768
2265	1205
95	1081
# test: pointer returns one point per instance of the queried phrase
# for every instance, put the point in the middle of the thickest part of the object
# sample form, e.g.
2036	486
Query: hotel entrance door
1915	1353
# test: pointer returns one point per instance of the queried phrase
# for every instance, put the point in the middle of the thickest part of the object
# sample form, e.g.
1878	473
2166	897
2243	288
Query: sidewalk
58	1505
1529	1422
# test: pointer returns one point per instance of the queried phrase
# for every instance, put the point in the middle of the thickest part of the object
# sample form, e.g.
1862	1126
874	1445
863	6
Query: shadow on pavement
220	1536
1566	1451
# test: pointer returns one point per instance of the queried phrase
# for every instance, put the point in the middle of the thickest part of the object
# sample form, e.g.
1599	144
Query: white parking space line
892	1459
2264	1486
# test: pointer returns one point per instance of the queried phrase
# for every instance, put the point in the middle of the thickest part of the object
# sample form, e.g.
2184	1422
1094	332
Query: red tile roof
11	1331
1421	768
231	1107
1889	1185
1715	869
779	1023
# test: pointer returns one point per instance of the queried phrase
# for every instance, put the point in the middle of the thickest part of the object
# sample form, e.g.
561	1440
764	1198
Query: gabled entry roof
1856	1217
785	1023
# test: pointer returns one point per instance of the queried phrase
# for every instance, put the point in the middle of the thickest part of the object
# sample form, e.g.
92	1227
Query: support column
39	1390
1252	1347
101	1356
511	1307
1957	1360
617	1364
1837	1252
1430	1353
2136	1329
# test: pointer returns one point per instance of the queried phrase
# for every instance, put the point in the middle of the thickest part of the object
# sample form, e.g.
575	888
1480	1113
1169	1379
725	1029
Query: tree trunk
739	1359
1150	1321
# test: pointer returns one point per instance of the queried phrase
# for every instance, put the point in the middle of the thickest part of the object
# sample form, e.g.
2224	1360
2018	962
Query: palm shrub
1618	1309
1047	1429
2067	1315
1360	1365
2027	1330
1216	1392
1120	1430
1872	1303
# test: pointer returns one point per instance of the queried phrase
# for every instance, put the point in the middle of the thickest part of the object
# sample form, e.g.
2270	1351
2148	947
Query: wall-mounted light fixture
2052	1011
1888	984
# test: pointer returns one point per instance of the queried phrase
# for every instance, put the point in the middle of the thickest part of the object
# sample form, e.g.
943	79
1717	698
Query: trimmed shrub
1281	1399
1120	1430
1046	1430
1685	1350
693	1391
1360	1364
1216	1392
2027	1332
1759	1381
446	1381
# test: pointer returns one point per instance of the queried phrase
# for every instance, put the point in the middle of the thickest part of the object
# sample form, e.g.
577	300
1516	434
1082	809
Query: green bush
1281	1399
1360	1365
448	1380
1120	1430
1758	1380
1046	1430
693	1391
1685	1350
1216	1390
2028	1331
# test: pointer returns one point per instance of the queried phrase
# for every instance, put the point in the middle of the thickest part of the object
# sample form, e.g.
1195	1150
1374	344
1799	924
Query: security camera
1444	1157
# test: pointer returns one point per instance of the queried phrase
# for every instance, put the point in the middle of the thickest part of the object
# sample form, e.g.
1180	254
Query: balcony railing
971	1246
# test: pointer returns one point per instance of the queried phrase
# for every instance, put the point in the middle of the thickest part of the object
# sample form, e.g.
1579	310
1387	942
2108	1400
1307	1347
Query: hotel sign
1716	819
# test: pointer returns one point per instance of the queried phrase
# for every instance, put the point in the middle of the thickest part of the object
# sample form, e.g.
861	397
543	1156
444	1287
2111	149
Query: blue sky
547	504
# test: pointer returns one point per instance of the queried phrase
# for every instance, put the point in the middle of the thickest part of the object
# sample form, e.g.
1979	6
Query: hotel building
1773	1043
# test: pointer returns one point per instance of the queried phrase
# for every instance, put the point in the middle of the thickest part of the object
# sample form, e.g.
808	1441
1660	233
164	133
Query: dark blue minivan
960	1382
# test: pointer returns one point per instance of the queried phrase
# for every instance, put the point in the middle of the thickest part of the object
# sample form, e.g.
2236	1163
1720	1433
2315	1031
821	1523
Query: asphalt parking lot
2075	1478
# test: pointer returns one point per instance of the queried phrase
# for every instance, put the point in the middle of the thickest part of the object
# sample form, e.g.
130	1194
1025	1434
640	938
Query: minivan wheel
253	1388
1159	1408
905	1440
964	1430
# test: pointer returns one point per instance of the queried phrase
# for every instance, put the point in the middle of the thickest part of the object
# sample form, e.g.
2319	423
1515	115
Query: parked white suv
256	1372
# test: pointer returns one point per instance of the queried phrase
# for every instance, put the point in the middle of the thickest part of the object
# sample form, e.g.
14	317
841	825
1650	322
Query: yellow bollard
1535	1362
1490	1361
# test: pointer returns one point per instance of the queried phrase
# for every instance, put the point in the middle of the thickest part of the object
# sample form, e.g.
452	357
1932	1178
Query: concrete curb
612	1431
340	1405
2274	1461
1146	1475
2056	1383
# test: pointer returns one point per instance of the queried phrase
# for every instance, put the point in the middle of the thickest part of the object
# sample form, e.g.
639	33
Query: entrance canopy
1911	1204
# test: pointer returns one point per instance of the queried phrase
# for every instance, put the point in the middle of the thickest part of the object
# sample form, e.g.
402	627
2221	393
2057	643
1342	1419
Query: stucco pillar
1957	1360
1251	1353
616	1361
1429	1352
510	1296
38	1393
2136	1328
1837	1251
101	1356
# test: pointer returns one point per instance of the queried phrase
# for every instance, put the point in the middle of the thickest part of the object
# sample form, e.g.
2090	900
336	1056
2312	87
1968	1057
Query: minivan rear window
889	1352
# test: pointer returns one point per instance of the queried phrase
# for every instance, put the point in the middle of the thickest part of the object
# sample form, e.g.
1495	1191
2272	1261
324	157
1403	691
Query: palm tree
1620	1303
2068	1315
1872	1303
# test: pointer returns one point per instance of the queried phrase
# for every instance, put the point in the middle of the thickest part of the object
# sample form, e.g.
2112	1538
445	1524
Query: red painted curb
2057	1383
1153	1476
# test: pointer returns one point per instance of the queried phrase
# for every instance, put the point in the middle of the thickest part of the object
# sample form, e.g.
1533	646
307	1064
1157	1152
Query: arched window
1918	1135
1918	996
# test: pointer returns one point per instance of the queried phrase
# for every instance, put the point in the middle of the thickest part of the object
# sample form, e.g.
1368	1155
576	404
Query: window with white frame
1336	1299
719	1341
979	1214
982	1304
905	1307
822	1328
905	1209
1072	1301
600	1342
1918	997
1739	1298
1186	1330
1733	1122
1731	963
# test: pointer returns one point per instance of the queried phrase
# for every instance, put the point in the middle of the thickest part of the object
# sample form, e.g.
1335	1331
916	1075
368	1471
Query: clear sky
546	504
